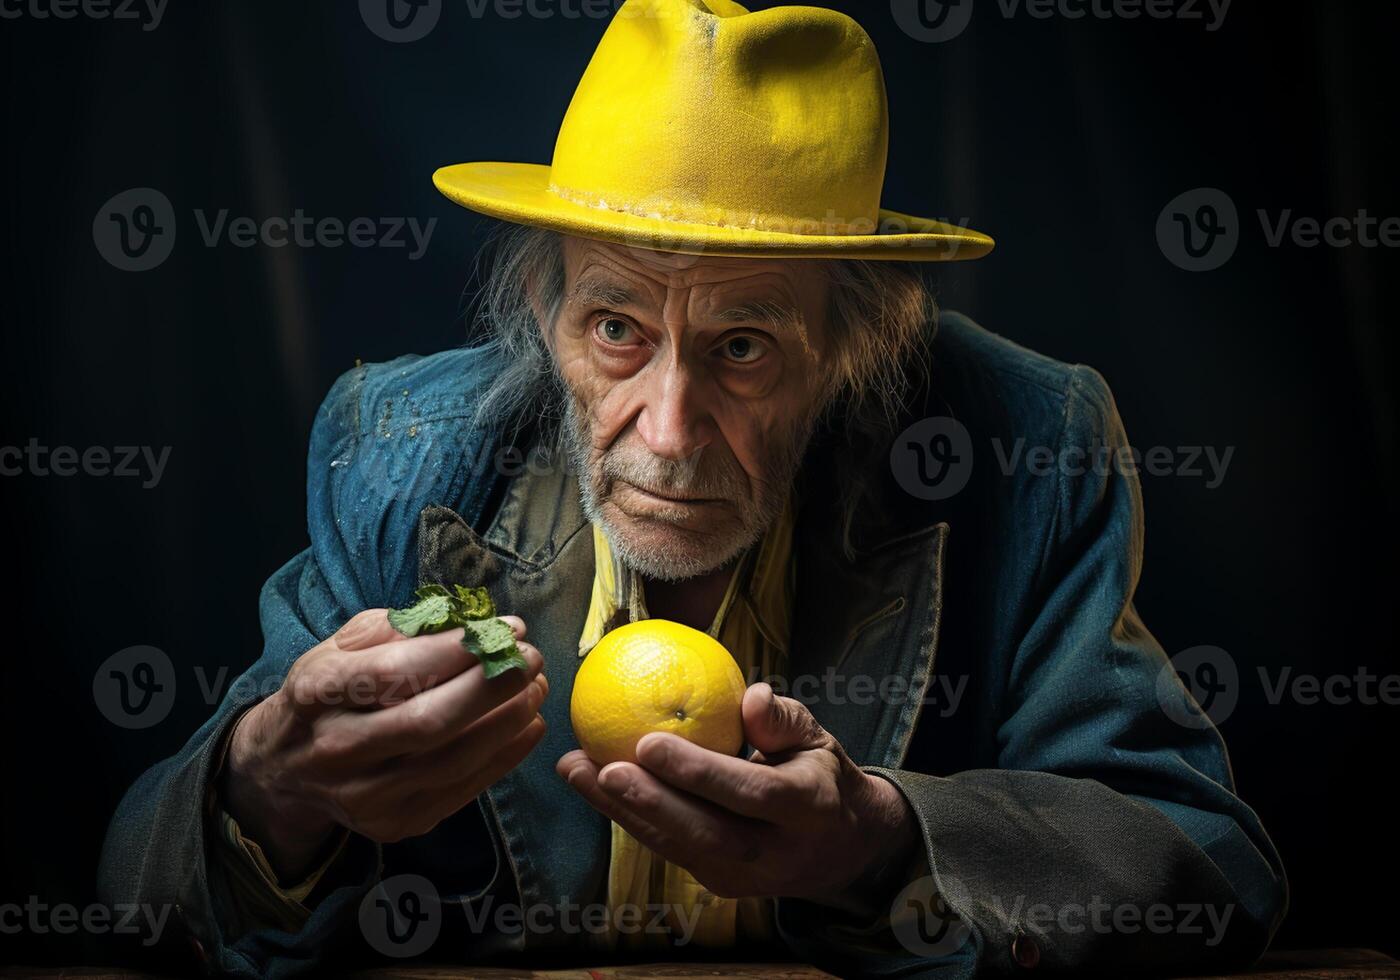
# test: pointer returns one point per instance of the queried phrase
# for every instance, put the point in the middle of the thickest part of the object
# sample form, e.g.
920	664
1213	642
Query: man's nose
674	424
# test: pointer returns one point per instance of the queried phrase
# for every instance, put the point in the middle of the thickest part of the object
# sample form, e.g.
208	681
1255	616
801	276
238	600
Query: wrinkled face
695	384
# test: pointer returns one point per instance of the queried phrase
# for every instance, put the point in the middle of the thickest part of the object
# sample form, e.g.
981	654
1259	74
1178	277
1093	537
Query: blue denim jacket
1062	776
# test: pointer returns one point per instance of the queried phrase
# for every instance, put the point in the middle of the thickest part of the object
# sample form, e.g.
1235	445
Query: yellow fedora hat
701	127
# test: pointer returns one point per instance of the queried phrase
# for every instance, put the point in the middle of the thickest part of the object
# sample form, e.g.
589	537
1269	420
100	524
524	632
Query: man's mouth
668	497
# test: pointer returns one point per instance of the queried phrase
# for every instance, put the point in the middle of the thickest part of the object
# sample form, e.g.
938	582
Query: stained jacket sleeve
1107	836
377	456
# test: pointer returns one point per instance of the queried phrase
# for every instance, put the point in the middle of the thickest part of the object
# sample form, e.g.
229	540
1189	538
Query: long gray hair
881	321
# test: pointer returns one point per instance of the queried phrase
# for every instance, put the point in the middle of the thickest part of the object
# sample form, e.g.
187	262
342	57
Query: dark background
1063	138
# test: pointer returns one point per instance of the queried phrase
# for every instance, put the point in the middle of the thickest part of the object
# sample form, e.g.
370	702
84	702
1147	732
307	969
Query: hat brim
519	193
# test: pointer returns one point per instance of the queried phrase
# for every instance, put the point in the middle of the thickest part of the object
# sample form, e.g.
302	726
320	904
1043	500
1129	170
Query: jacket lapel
536	557
869	602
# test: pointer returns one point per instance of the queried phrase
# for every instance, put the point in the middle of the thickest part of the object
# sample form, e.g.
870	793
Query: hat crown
701	111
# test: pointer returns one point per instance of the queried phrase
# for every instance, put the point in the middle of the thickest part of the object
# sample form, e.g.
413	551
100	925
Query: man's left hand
798	819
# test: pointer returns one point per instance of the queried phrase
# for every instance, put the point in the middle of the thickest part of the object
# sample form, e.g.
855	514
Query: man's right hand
383	734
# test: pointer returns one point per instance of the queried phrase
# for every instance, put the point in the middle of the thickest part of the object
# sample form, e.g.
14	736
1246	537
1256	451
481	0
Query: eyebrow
596	290
592	290
766	311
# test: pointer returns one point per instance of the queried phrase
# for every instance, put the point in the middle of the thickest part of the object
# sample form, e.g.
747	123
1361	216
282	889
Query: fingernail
614	781
658	751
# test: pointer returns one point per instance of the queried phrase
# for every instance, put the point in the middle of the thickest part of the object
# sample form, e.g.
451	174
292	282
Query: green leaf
473	603
439	608
430	614
493	643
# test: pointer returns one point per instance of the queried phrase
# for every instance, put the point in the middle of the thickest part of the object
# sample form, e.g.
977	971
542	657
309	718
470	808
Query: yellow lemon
656	676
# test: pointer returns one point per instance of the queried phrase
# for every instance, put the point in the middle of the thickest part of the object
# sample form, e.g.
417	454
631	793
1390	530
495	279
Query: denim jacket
1061	778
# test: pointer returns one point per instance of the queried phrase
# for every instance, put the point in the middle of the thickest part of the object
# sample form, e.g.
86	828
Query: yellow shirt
753	622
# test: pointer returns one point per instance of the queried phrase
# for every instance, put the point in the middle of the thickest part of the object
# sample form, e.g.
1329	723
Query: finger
364	629
774	724
581	773
401	673
451	797
684	829
507	759
478	745
381	674
744	787
439	714
516	624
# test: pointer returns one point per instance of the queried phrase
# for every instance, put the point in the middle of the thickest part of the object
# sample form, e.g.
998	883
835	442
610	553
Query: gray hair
881	321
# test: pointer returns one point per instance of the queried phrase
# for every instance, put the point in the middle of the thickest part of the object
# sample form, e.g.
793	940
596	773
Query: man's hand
379	733
798	819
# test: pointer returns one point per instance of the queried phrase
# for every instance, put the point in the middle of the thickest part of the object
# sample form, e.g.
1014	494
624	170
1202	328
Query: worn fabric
1025	710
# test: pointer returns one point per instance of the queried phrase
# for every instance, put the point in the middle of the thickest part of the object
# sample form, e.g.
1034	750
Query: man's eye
743	349
614	329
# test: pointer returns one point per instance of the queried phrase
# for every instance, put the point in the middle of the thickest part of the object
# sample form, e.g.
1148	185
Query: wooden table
1313	964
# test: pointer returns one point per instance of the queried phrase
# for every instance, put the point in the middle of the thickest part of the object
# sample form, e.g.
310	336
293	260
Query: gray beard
758	503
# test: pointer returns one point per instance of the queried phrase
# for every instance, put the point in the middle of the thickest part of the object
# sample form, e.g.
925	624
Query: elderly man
706	345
